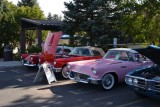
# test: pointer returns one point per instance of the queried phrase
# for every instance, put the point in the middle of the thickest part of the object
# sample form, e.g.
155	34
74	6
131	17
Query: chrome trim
138	78
148	87
135	77
88	80
56	69
153	90
30	65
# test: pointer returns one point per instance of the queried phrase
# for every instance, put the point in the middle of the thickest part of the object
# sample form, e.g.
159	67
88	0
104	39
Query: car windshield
119	55
80	51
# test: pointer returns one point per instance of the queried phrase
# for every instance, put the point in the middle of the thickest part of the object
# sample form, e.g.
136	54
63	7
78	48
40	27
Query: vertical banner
36	40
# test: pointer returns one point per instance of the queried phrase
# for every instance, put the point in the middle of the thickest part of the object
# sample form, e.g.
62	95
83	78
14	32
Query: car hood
88	65
152	52
50	45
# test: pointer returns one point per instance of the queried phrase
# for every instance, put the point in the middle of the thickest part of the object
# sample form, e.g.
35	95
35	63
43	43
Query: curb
10	64
4	67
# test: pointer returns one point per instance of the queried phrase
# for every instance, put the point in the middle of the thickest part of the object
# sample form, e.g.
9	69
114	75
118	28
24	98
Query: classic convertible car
32	60
145	81
109	70
77	54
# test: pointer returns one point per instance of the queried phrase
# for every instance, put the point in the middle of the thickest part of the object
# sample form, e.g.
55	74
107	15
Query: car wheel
64	72
108	81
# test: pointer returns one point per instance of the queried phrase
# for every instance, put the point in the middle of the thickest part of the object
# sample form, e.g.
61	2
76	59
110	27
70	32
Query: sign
115	42
45	70
36	40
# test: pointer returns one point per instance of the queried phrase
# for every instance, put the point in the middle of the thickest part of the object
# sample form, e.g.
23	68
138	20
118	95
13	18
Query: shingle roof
43	24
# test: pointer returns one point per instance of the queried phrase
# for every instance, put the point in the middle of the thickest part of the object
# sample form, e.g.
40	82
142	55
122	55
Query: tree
11	21
29	3
54	17
29	9
1	8
141	20
8	24
49	16
34	12
95	17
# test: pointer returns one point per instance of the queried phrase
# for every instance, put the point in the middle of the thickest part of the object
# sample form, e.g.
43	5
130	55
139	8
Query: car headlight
39	60
135	81
94	71
54	62
31	58
129	80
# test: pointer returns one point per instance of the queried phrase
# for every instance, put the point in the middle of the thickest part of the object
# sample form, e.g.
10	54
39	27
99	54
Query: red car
77	54
33	60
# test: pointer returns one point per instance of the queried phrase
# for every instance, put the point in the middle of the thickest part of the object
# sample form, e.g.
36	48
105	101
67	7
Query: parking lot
17	89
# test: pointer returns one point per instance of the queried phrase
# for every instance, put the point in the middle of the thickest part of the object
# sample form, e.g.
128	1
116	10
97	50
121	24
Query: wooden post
22	41
39	36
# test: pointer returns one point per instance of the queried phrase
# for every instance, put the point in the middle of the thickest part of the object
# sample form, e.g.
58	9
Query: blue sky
52	6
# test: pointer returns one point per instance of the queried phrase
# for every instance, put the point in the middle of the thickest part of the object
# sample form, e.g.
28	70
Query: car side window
58	50
96	53
67	51
130	56
126	56
85	52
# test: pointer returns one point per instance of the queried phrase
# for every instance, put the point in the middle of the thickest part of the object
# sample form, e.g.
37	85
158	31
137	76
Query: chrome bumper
30	65
27	63
86	80
56	69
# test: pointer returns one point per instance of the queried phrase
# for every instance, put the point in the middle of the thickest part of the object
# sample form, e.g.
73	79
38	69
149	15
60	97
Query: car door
126	65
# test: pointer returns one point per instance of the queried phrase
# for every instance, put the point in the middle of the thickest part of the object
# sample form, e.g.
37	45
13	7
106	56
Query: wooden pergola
38	25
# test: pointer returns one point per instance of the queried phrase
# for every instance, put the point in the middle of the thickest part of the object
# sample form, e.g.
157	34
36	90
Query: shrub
16	57
34	49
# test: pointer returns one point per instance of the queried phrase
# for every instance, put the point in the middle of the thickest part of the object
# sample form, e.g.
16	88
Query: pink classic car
109	70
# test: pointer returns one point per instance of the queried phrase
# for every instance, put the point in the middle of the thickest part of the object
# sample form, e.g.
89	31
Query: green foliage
10	22
16	57
142	22
34	49
29	3
8	28
33	12
93	17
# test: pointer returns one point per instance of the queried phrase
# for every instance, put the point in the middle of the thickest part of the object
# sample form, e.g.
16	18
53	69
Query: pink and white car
109	70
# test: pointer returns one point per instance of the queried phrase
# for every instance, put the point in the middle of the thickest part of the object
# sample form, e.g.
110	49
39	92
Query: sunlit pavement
17	89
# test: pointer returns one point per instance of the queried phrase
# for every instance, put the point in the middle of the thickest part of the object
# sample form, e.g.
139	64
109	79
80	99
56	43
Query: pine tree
29	3
95	17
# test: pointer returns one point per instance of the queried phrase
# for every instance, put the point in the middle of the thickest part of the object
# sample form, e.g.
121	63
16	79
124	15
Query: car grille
141	83
24	61
81	76
157	85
